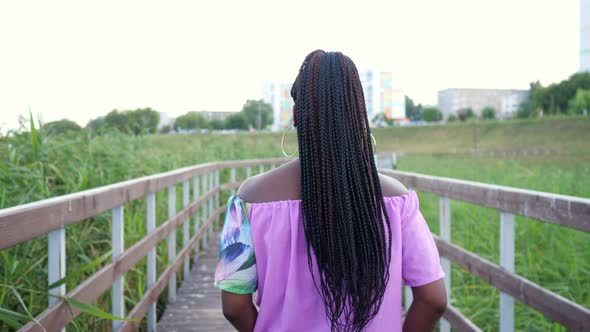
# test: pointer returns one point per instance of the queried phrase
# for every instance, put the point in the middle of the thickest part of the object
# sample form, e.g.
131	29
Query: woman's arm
430	302
239	310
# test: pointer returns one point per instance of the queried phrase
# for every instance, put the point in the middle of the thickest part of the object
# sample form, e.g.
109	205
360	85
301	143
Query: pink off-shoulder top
263	249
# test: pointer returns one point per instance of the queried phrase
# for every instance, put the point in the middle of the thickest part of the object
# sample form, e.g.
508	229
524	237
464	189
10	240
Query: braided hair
342	202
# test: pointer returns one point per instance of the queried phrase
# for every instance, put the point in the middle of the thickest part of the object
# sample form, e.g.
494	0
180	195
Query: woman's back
264	225
326	239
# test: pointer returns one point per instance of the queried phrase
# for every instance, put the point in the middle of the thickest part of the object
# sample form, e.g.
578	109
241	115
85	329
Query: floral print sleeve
236	263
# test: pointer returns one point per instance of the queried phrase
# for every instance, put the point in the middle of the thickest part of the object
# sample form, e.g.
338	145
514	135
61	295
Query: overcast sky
81	59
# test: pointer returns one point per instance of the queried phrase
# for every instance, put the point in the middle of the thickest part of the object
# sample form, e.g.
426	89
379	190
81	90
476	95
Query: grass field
555	257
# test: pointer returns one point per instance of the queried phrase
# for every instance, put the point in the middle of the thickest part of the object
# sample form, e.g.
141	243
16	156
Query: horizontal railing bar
569	211
59	315
28	221
568	313
458	321
152	294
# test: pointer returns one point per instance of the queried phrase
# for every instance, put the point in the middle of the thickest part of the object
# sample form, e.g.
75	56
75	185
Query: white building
165	120
381	96
504	101
584	35
279	96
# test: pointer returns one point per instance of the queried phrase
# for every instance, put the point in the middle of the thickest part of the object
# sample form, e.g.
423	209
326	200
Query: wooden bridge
195	306
198	304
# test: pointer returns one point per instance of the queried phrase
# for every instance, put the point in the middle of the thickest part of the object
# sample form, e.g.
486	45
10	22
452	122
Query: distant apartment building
279	96
504	101
381	96
164	120
584	35
211	115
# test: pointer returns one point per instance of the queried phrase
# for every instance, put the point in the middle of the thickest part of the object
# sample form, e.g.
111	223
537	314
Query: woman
324	239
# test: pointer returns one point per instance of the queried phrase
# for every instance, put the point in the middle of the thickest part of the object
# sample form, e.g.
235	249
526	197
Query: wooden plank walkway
198	303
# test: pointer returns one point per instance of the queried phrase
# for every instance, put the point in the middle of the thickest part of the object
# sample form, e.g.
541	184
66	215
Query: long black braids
347	229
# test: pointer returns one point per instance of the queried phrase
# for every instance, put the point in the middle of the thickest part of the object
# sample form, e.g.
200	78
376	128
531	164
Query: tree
215	124
138	121
431	114
96	125
525	110
555	98
237	120
465	113
117	120
255	111
452	118
537	99
142	120
488	113
60	127
189	121
580	102
166	129
412	111
409	107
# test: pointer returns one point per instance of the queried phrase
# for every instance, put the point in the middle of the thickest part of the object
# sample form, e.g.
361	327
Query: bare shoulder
391	186
245	187
281	183
248	189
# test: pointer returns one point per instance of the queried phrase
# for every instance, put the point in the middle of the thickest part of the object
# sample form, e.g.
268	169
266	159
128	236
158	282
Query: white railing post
394	160
211	201
196	197
376	157
217	186
507	262
204	208
387	163
56	241
248	171
172	243
118	245
151	259
186	229
232	178
272	166
445	234
217	199
260	169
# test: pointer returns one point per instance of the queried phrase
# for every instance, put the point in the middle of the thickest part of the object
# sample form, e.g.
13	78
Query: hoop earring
283	144
374	142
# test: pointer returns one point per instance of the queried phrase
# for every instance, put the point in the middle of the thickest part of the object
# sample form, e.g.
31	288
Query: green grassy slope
567	134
